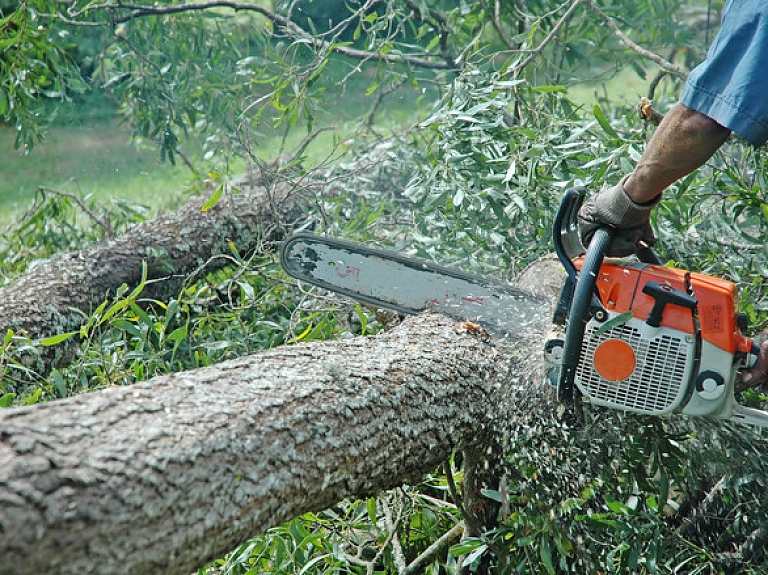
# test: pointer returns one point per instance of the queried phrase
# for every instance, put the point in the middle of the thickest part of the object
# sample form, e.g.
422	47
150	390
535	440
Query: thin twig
496	21
397	550
544	43
453	491
290	28
437	548
667	65
103	223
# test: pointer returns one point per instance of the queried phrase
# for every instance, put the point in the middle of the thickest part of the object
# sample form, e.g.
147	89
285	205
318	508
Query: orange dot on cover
614	360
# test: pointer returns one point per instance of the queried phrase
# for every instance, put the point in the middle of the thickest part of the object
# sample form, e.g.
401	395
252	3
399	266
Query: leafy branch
572	6
120	13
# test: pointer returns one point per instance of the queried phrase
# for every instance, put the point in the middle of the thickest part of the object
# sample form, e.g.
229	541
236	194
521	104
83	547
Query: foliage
474	183
715	221
352	537
491	182
243	308
36	62
54	223
231	77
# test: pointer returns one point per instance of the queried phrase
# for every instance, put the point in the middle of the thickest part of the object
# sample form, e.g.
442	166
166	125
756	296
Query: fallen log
52	297
162	476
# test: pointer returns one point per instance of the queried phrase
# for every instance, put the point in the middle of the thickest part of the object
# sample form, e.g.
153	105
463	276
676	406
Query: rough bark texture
161	476
44	301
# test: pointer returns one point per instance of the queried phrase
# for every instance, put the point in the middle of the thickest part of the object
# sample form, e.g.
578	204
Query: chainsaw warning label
713	318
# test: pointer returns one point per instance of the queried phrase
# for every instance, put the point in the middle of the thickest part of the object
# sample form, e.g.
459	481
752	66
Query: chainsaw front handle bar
567	237
565	230
583	295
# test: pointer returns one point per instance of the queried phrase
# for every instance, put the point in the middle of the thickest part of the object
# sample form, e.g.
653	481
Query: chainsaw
638	336
643	337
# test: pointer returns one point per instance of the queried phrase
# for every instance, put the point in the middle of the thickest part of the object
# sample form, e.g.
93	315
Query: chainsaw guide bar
383	278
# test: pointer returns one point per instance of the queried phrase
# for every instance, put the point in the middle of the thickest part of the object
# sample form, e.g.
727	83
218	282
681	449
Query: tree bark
51	298
162	476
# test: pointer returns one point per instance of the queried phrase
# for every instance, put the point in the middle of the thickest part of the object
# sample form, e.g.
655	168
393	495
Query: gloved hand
613	207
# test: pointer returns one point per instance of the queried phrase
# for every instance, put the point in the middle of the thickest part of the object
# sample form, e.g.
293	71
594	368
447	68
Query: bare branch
392	526
551	36
103	223
667	65
574	4
495	16
436	549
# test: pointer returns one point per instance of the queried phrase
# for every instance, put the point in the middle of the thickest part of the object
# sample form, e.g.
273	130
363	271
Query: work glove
614	208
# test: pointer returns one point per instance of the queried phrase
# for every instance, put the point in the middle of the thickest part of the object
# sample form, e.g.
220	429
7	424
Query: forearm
684	140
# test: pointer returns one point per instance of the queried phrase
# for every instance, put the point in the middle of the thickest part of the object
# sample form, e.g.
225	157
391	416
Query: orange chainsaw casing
620	286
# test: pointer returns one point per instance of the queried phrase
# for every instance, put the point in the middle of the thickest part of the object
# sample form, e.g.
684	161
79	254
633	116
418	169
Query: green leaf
617	507
551	89
6	399
466	546
178	334
491	494
545	553
310	564
213	200
56	339
34	398
603	121
125	325
615	321
475	555
363	319
57	380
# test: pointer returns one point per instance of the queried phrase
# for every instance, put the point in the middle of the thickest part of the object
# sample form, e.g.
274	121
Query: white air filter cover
635	367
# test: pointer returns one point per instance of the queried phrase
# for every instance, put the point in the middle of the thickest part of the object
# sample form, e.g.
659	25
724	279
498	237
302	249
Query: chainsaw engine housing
665	340
636	368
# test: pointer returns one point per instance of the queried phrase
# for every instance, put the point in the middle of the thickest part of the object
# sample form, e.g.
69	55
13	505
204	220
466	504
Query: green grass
96	158
625	87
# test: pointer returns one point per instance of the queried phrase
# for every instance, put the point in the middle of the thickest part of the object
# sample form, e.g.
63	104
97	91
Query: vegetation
473	182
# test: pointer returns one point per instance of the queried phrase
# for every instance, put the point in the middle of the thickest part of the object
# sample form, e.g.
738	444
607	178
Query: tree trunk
51	298
162	476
